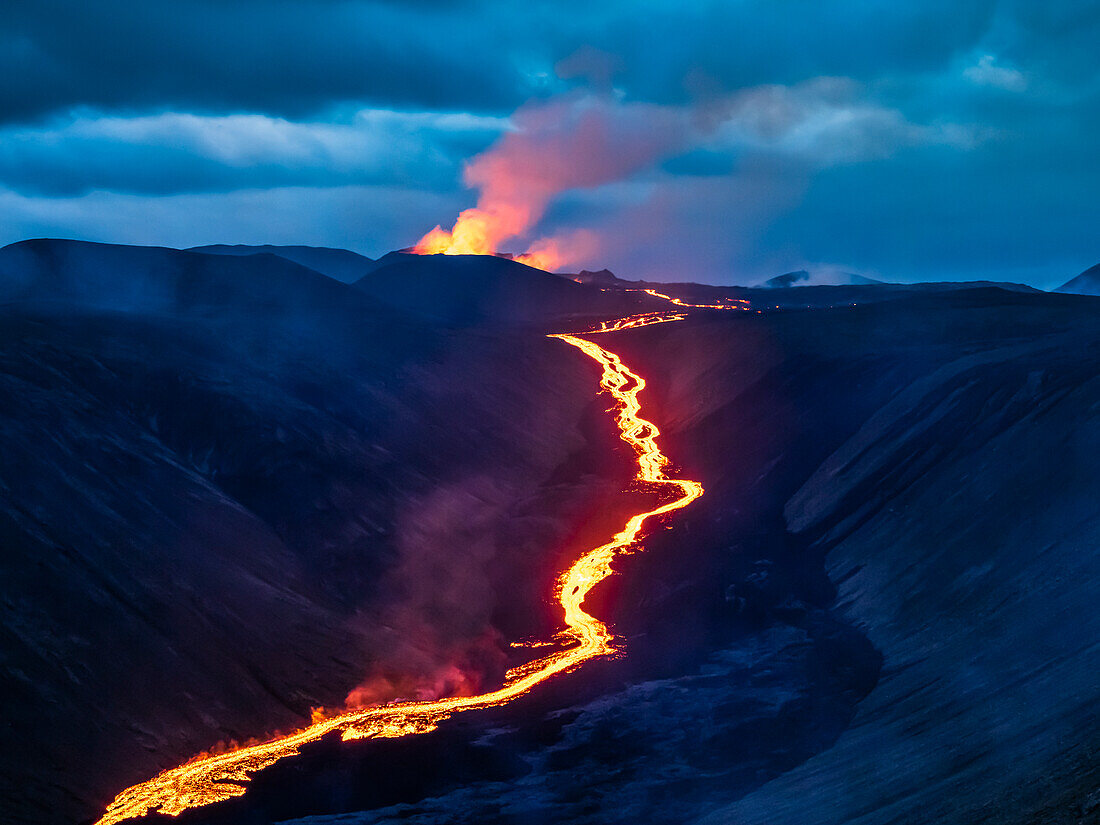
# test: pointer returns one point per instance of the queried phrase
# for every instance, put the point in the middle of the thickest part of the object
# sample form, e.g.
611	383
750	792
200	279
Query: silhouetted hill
804	278
1087	283
223	481
342	264
465	290
602	277
232	488
158	280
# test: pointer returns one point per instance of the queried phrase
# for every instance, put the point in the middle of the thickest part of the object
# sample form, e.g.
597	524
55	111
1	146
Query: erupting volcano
477	232
480	232
571	142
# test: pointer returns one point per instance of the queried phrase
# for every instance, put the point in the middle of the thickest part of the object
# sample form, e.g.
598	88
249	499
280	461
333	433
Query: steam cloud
575	141
586	139
436	637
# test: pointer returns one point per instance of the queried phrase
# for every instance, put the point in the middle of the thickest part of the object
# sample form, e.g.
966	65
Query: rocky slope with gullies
231	492
961	522
958	516
882	610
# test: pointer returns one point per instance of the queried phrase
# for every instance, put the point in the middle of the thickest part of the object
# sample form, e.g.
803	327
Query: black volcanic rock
162	281
465	290
221	506
935	454
602	277
229	491
342	264
1087	283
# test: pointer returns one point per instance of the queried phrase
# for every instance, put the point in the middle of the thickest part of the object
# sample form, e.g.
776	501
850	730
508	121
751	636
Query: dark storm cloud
926	139
298	58
289	58
170	153
295	58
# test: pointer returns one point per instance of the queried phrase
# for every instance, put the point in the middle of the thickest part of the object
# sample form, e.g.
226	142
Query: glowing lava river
215	778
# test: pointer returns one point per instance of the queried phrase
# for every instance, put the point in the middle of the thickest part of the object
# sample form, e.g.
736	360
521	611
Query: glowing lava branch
644	319
209	779
731	303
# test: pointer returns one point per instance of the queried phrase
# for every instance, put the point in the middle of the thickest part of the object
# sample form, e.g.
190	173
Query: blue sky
732	141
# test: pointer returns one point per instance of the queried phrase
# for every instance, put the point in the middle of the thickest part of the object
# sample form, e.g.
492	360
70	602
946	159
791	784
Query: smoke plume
434	635
575	141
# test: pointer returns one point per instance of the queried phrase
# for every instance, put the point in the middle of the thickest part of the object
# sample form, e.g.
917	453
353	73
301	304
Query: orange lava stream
216	778
734	303
644	319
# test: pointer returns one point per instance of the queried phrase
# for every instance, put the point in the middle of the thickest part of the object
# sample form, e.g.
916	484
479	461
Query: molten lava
479	232
730	303
644	319
215	778
476	232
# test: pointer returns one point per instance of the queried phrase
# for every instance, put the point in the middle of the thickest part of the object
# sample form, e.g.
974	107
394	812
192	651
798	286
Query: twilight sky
715	141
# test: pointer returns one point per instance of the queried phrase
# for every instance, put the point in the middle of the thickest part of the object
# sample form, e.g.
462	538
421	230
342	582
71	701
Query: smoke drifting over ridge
434	636
586	139
575	141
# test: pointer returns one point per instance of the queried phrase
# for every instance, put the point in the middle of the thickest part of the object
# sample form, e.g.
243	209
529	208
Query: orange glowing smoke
218	777
570	142
553	253
477	232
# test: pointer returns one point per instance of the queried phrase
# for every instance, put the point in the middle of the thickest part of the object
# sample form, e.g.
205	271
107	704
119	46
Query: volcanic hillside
341	264
226	482
235	489
467	290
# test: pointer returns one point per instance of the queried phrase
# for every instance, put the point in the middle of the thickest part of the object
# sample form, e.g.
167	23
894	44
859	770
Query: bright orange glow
482	231
436	242
730	303
545	254
476	232
215	778
644	319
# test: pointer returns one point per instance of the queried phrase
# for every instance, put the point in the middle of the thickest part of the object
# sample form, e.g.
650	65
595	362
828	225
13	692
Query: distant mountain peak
821	277
601	277
1087	283
340	264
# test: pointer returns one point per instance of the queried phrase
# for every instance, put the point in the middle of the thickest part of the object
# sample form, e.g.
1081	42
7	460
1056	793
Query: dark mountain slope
958	522
1087	283
803	278
935	455
161	281
465	290
961	521
222	492
342	264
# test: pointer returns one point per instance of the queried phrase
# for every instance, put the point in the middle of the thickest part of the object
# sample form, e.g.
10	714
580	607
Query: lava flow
731	303
215	778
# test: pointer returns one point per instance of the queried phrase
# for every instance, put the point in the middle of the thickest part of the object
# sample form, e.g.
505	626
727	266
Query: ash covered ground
237	487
